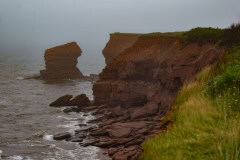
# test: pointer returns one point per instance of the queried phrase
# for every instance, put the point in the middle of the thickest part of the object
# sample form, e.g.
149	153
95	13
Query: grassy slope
206	117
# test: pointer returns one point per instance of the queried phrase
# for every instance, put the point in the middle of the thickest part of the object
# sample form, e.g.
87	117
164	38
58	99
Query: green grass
206	117
216	36
154	34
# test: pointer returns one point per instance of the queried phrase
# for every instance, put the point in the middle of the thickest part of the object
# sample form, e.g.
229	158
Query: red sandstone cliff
61	62
153	69
136	90
117	44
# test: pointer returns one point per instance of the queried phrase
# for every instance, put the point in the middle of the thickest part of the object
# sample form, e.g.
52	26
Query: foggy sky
35	25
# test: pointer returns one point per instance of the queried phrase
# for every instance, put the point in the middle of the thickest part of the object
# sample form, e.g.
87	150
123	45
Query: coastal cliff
137	88
117	44
153	69
61	62
156	84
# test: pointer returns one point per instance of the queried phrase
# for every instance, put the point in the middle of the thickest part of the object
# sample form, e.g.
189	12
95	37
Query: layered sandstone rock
61	62
153	69
117	44
137	88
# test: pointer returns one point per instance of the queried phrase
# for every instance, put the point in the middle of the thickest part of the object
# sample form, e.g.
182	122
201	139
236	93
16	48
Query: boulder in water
62	101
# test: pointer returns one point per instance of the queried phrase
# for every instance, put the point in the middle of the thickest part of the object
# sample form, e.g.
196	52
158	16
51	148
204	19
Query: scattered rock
75	139
112	151
62	136
148	110
80	100
99	133
89	142
62	101
72	109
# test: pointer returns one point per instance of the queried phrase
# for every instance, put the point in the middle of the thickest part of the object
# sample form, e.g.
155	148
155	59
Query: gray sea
27	123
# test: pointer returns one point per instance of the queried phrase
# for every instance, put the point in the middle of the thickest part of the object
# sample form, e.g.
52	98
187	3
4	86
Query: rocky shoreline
122	136
135	92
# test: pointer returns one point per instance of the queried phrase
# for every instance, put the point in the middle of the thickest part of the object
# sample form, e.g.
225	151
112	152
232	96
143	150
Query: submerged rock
80	100
61	62
62	101
62	136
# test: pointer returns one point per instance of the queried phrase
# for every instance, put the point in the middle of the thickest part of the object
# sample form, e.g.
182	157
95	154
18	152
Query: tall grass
206	118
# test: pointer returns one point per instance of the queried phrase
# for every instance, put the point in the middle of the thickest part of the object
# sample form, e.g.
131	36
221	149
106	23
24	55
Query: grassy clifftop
228	36
205	117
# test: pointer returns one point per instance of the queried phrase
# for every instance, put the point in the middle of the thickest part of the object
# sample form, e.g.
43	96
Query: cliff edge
117	44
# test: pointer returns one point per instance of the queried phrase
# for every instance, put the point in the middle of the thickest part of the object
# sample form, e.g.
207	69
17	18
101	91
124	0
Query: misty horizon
31	27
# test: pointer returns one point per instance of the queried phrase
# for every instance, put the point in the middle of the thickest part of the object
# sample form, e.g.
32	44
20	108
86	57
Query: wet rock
112	151
82	125
122	141
148	110
62	136
117	112
72	109
126	153
89	142
120	132
84	130
106	143
62	101
134	142
81	135
80	100
75	139
143	131
124	130
90	108
99	132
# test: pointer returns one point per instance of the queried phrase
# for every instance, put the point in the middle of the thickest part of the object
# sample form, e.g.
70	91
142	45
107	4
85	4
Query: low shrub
203	35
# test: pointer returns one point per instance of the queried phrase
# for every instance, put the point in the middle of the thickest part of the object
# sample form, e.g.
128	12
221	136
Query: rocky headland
136	90
61	62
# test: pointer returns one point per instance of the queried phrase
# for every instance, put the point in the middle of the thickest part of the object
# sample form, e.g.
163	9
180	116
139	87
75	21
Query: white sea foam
19	78
71	126
67	118
48	137
1	154
16	157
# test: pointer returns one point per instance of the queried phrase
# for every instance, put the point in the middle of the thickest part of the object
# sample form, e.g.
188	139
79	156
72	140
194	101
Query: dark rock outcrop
80	101
61	62
62	136
61	101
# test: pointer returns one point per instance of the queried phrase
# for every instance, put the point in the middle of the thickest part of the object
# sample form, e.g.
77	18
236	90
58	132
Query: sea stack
61	62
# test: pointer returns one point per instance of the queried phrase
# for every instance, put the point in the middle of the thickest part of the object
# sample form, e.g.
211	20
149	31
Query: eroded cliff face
117	44
135	91
61	62
152	70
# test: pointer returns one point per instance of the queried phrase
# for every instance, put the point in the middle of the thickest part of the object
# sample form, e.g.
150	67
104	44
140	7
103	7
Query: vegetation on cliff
224	37
206	117
206	114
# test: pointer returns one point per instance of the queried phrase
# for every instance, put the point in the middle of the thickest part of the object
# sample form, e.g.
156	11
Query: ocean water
27	123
